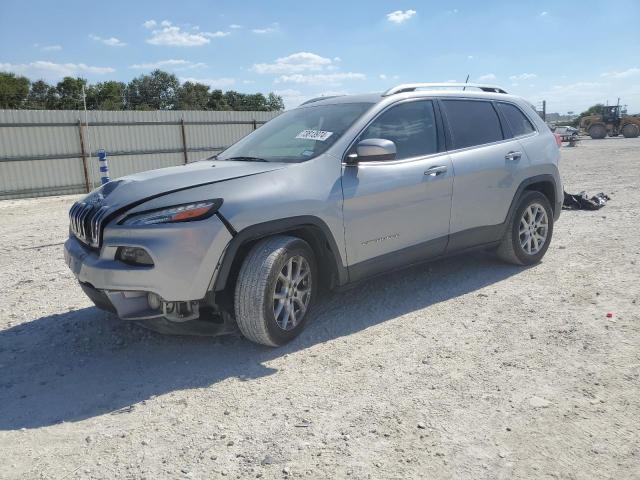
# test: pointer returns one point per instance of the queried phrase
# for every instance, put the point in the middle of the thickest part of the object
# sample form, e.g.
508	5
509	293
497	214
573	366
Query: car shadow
85	363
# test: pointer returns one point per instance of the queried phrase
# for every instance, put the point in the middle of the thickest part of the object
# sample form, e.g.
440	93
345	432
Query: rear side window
520	125
411	126
472	122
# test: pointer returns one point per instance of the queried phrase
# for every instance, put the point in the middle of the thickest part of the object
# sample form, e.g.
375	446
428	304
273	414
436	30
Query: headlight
187	212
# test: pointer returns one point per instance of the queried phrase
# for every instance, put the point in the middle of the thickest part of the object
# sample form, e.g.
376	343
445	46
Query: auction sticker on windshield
320	135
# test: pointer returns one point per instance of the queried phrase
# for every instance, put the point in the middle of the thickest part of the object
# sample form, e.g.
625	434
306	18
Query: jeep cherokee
332	192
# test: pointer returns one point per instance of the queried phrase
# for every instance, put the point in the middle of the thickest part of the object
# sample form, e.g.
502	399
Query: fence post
255	124
184	141
83	154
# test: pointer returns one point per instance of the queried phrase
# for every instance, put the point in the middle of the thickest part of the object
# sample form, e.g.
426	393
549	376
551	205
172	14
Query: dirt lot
465	368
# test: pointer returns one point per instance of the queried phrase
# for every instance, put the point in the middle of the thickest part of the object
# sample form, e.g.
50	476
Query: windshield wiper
246	159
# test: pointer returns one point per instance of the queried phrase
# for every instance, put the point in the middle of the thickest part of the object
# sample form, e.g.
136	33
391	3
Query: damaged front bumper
185	259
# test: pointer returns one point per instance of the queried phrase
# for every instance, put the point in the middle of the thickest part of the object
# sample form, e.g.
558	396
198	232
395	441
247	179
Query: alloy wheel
533	229
292	292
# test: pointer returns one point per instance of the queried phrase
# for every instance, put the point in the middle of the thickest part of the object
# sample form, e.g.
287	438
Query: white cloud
630	72
382	76
173	64
333	79
248	82
261	31
470	57
544	14
270	29
522	76
212	82
47	69
294	63
399	16
172	35
111	41
48	48
487	77
235	26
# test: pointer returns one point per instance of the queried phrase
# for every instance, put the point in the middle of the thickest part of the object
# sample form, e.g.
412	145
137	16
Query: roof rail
317	99
411	87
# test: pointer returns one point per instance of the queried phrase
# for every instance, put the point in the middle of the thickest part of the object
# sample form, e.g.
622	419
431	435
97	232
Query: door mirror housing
373	150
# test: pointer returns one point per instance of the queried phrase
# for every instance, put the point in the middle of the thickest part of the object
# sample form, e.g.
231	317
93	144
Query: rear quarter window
519	123
472	122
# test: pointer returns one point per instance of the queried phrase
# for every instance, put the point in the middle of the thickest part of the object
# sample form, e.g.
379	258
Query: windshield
297	135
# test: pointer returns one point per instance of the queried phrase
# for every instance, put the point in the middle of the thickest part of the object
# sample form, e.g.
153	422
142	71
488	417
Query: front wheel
630	130
597	132
276	286
529	232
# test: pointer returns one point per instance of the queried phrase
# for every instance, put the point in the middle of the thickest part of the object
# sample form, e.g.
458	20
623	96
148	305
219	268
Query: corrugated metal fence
46	152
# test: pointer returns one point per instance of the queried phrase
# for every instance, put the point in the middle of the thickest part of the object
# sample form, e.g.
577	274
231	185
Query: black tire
510	249
257	280
597	132
630	130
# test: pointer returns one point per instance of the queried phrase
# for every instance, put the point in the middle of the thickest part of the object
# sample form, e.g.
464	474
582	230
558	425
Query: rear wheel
275	290
630	130
597	132
529	232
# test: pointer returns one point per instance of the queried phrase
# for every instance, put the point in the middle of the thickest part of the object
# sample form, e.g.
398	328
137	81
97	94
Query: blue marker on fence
104	166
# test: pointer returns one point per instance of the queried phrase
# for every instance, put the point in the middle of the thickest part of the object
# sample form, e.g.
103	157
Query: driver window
410	125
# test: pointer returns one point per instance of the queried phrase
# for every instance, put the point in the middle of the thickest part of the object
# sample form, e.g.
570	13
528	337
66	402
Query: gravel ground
464	368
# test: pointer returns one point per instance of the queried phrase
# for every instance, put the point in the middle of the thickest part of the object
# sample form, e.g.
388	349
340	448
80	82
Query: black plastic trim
398	259
273	227
473	237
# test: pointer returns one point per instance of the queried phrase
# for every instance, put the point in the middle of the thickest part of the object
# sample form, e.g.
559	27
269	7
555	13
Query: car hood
154	183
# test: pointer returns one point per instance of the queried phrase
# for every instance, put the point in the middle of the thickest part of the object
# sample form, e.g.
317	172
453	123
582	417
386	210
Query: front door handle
513	155
435	171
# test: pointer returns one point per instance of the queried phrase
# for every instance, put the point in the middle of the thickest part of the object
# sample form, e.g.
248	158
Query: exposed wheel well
313	235
548	189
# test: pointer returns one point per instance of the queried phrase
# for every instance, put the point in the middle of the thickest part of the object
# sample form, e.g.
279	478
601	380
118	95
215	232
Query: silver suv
332	192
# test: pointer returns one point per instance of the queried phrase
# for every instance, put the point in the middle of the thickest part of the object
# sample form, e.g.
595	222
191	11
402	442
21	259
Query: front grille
86	222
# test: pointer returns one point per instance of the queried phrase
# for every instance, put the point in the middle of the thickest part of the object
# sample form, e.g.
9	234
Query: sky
570	54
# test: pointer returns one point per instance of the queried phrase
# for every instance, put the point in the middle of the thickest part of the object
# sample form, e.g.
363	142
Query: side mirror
373	150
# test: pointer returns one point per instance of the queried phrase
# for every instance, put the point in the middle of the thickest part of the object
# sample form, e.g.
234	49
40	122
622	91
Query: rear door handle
513	155
435	171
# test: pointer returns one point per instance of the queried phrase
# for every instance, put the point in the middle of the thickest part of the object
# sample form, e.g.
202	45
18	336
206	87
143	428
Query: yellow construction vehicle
612	120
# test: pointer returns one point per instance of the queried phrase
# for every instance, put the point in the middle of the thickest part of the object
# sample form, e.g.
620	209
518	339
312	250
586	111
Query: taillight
558	139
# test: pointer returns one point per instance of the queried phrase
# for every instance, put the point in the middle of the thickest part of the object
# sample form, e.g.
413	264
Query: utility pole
82	143
544	110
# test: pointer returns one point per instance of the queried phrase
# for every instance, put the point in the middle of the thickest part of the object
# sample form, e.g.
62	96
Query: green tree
217	101
108	95
233	99
13	90
42	96
193	96
156	91
274	102
597	108
69	92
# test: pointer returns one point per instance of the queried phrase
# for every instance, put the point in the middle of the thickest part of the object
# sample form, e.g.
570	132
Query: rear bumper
185	257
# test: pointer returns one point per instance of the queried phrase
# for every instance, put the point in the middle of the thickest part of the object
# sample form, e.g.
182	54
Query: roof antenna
466	81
